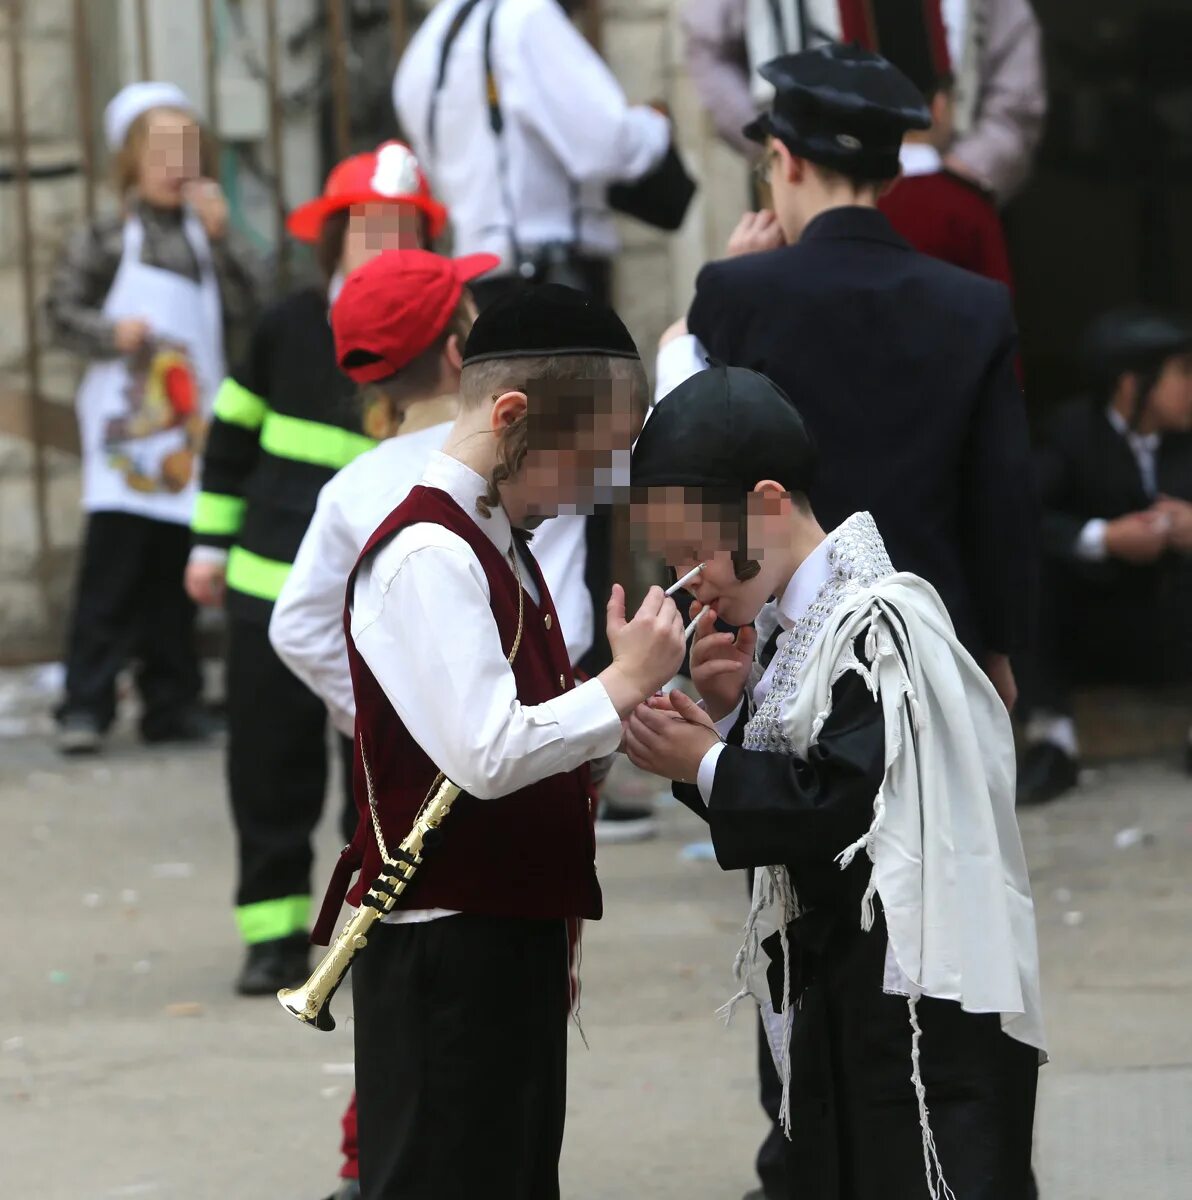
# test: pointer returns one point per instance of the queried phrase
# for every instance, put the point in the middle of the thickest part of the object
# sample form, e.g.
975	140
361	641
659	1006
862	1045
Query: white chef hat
137	98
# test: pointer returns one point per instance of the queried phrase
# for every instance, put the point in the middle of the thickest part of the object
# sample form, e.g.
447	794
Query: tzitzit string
434	787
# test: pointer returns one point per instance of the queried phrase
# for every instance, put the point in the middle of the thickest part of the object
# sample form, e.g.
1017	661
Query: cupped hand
720	662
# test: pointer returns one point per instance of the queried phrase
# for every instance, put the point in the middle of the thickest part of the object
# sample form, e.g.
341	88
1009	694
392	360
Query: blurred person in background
999	97
146	296
1115	477
285	421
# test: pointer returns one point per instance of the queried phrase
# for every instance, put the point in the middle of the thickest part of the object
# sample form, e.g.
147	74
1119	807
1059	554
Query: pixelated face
575	466
170	157
377	226
1170	404
685	527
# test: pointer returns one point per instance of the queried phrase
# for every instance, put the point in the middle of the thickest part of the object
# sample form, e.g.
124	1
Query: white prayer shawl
947	856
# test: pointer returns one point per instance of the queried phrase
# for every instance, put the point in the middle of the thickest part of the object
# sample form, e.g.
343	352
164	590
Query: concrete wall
653	284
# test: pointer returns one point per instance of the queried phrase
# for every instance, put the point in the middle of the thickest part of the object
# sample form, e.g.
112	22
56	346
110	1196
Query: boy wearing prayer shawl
864	764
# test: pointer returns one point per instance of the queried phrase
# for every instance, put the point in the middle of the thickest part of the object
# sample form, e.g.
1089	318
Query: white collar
919	158
1148	441
463	485
813	572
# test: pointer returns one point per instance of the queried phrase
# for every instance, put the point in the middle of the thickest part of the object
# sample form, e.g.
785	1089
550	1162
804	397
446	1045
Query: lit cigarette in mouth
682	583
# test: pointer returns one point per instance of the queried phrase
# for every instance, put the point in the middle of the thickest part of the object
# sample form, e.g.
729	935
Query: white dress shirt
566	122
1090	545
307	624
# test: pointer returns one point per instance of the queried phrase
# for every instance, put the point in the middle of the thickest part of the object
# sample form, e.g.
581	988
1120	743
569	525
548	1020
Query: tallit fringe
937	1185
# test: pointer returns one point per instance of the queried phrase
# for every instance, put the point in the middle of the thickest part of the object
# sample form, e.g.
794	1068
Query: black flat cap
842	107
547	320
723	430
1133	339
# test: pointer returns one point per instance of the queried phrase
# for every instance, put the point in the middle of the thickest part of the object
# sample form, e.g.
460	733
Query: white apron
142	420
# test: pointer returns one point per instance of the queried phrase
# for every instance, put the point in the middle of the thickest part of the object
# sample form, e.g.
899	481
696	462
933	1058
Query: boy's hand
720	663
755	232
206	583
1179	522
647	650
129	334
206	198
670	743
1137	538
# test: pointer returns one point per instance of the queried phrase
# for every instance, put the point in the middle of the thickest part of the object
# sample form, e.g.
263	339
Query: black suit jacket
904	370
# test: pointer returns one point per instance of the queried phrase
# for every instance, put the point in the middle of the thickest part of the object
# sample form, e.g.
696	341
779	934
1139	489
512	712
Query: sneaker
189	725
270	966
615	825
1047	772
79	733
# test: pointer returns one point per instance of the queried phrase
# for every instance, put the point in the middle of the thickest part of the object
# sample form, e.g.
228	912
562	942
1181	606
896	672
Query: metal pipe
20	149
82	67
276	141
211	64
144	50
338	46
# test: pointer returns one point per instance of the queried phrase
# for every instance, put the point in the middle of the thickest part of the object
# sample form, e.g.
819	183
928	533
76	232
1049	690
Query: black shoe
268	966
348	1190
1046	773
188	725
79	733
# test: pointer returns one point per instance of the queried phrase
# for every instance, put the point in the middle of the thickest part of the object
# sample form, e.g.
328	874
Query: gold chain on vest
368	780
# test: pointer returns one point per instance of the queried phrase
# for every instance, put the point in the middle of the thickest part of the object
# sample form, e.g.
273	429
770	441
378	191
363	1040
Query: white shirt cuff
725	725
586	717
208	554
1090	545
678	360
707	772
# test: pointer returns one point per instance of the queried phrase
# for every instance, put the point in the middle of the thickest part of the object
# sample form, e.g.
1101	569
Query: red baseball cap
395	306
388	175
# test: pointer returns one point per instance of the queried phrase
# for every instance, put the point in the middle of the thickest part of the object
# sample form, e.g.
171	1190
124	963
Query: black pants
461	1059
131	606
277	780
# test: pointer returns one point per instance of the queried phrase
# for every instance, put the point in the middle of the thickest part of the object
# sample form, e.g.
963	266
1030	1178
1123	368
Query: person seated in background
1115	474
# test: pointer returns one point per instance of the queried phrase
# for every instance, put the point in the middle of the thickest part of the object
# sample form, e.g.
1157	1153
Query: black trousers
461	1059
277	780
131	606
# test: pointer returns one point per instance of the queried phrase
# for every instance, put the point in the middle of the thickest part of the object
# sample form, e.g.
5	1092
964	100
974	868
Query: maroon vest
527	854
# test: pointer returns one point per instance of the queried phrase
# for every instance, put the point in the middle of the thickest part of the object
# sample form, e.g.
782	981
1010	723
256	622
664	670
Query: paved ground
128	1069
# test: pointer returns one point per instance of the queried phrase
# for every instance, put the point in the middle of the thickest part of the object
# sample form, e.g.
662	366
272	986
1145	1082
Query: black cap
547	320
842	107
723	430
1133	339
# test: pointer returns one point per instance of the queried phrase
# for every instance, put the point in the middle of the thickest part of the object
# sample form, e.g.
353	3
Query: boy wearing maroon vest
459	666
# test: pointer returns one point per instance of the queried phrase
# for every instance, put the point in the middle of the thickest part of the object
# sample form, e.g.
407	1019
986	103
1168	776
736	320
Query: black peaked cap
1133	339
547	320
842	107
723	430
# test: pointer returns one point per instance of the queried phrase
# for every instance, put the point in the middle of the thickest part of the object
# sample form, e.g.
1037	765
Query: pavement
128	1068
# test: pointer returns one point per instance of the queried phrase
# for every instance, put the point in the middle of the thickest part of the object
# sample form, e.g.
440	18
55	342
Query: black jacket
1110	621
904	370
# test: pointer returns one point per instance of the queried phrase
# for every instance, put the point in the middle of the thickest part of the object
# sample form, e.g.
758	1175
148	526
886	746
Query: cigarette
691	627
682	583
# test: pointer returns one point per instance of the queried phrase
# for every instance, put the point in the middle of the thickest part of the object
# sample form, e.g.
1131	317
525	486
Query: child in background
146	295
285	421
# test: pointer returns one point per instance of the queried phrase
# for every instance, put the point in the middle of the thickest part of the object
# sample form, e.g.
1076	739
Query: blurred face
375	227
1170	406
684	528
169	157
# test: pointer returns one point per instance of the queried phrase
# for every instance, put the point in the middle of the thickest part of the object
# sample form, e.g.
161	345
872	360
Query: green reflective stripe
254	575
270	919
217	514
312	442
235	404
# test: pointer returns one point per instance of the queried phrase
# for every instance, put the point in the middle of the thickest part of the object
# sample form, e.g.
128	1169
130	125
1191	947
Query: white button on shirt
566	121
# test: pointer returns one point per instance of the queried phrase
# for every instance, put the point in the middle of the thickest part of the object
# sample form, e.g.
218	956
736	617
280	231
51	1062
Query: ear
941	107
792	168
508	407
453	352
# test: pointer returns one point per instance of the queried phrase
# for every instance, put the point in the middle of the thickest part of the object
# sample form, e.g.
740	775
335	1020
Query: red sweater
527	854
949	218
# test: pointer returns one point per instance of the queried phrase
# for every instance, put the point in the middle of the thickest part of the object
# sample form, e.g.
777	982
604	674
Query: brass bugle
311	1003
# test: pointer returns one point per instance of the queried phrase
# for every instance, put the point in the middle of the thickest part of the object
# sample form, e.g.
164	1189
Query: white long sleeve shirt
566	122
307	624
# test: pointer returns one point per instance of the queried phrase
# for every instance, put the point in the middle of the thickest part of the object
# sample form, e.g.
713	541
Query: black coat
904	370
1110	621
